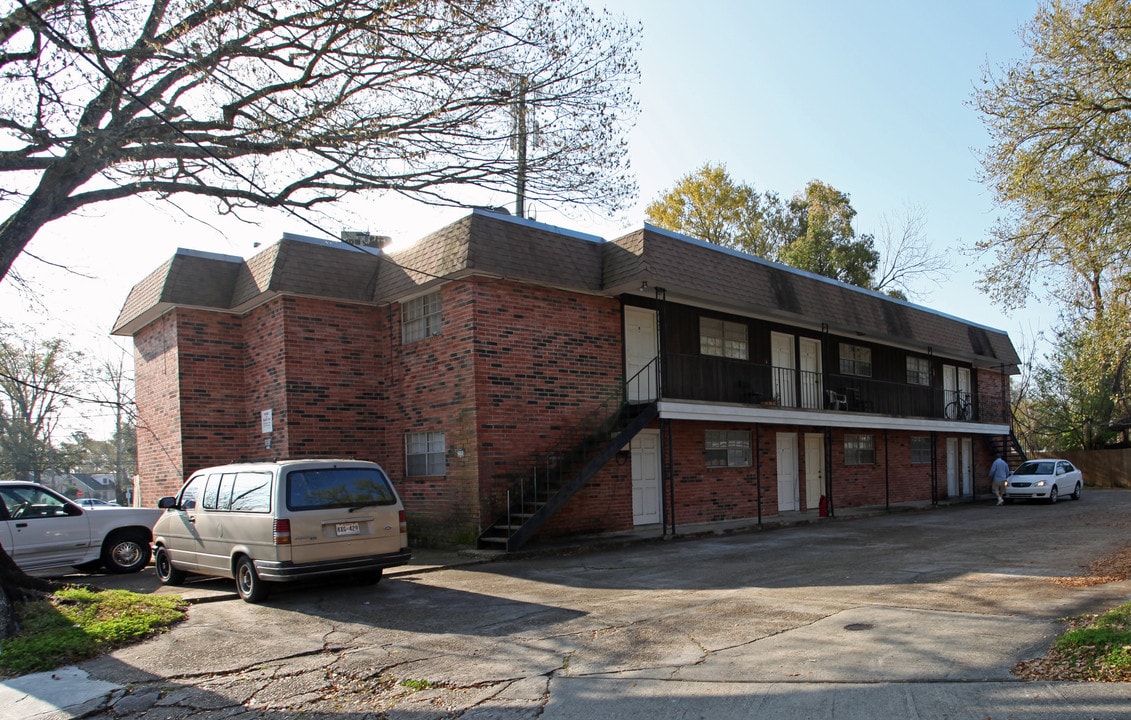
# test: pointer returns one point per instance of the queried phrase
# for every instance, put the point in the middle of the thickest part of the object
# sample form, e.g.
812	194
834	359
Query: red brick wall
431	387
548	370
215	427
517	371
709	495
993	396
157	375
331	400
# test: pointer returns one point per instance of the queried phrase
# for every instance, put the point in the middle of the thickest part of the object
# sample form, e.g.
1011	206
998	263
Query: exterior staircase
1009	448
559	477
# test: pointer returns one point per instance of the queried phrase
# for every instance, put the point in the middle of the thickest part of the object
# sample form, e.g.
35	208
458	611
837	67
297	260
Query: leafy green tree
1072	404
1060	159
708	204
1060	167
297	103
36	385
812	231
825	242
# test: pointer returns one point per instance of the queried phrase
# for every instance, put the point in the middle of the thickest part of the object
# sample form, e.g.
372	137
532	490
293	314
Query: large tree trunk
16	585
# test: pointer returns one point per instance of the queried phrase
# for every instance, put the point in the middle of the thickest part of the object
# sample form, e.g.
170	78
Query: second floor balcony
721	380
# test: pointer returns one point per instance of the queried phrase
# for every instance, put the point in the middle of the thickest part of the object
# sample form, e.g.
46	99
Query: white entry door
952	467
811	386
967	466
814	469
646	486
640	348
784	367
788	485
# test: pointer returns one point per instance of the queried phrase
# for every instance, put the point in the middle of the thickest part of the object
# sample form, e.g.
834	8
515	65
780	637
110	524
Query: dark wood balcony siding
690	375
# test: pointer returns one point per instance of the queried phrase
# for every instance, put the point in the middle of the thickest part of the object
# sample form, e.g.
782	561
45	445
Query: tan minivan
282	521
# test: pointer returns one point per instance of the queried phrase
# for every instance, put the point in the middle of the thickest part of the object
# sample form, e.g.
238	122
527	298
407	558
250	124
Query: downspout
666	444
667	441
758	468
887	474
829	471
934	468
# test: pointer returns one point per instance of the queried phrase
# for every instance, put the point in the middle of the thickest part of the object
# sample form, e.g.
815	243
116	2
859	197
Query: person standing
999	471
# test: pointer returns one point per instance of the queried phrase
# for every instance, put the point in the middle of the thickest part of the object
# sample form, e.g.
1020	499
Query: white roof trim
715	412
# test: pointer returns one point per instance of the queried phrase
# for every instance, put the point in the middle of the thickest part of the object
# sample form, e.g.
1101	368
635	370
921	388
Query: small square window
918	371
728	448
859	450
425	454
855	360
920	450
722	338
420	318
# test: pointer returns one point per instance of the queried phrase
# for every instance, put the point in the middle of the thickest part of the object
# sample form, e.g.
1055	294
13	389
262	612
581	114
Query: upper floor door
641	354
812	389
784	369
956	392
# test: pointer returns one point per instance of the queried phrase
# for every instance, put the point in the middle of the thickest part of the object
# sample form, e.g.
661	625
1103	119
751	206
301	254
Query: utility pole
520	142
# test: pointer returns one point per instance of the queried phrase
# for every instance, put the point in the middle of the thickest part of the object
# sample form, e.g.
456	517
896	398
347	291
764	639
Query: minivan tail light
404	523
282	532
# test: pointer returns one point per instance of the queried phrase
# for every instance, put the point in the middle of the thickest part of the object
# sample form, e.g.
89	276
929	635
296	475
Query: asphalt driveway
914	614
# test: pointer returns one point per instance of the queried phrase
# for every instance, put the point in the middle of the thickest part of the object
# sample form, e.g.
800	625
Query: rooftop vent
361	238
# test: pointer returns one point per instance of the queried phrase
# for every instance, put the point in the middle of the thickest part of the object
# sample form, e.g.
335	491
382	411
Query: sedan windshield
1036	468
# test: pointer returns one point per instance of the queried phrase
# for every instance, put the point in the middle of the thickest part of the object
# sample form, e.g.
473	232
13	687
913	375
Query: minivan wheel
125	552
248	584
166	573
371	577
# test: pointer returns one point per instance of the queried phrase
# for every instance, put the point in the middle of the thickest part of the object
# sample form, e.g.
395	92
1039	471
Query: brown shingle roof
501	246
696	271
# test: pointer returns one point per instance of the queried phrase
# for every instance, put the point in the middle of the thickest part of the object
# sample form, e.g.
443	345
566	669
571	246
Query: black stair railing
552	478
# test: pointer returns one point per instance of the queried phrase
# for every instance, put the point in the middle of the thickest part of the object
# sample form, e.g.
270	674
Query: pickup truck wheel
166	573
248	584
125	552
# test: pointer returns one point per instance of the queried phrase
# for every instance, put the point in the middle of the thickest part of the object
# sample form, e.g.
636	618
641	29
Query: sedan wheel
1076	492
1052	495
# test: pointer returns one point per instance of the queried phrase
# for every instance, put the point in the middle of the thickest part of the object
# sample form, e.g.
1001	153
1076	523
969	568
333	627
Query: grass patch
1095	648
416	685
76	623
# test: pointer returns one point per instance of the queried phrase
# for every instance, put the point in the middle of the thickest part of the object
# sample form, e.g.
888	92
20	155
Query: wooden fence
1101	468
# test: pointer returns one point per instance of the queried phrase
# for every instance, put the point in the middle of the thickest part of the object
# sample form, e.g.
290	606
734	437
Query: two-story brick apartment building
518	379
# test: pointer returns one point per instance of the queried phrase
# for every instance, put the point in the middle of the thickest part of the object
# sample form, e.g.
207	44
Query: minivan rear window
338	487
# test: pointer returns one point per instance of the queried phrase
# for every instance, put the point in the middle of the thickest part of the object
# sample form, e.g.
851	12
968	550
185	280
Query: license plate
348	529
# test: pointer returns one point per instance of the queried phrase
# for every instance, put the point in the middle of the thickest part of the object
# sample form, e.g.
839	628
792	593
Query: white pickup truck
41	529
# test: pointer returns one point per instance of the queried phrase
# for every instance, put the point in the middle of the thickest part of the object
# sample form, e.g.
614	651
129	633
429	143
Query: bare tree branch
301	102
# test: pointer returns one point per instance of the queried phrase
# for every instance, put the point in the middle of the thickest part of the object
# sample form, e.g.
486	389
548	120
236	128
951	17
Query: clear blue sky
871	97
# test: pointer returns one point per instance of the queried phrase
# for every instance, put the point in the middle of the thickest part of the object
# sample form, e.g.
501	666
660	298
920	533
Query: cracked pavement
915	614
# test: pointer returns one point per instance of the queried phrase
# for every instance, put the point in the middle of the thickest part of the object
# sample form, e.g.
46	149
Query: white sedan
1046	479
41	529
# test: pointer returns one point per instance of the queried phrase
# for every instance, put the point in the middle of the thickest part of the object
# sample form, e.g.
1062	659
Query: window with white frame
723	338
859	450
420	317
855	360
918	371
920	450
728	448
424	454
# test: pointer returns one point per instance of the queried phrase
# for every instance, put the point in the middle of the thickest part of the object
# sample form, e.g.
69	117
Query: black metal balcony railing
714	379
